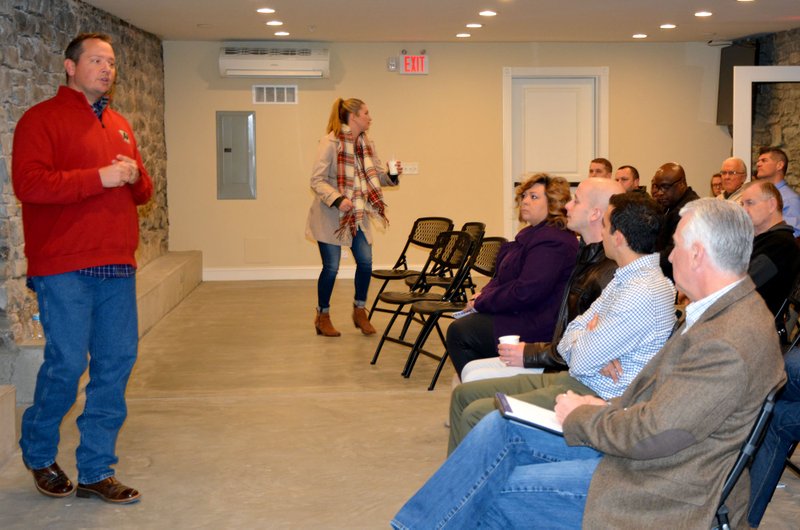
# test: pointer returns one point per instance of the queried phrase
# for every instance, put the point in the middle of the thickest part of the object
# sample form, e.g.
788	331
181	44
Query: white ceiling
439	20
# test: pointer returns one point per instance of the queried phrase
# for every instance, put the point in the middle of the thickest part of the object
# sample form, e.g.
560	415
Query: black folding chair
483	262
452	251
423	234
443	277
788	317
745	457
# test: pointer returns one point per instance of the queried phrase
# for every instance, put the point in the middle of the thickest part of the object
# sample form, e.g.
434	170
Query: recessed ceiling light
744	0
267	10
281	33
463	35
487	13
274	23
474	25
639	36
667	26
703	14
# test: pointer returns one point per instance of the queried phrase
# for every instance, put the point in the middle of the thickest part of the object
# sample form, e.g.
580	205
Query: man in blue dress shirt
772	165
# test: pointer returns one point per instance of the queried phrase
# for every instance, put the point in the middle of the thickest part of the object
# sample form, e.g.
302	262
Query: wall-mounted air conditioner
274	59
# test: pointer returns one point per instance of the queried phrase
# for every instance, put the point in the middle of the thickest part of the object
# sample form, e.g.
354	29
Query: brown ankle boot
324	326
361	320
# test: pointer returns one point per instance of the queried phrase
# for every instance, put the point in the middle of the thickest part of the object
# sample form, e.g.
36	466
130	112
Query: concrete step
164	282
160	286
8	432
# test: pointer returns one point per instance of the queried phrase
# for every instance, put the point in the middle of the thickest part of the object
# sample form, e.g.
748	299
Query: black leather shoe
110	490
52	481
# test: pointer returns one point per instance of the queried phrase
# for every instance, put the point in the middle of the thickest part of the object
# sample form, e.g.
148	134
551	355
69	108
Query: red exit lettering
414	64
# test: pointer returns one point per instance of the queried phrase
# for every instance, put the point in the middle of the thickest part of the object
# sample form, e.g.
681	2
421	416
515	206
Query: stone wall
776	112
33	36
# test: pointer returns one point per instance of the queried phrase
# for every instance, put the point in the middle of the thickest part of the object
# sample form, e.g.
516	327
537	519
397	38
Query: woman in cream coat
347	180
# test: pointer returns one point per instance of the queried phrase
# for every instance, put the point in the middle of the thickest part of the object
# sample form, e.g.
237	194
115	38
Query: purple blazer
532	271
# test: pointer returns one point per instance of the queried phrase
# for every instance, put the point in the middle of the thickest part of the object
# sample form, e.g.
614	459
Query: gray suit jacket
672	437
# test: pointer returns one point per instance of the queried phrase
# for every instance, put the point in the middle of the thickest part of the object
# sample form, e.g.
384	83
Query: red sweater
70	220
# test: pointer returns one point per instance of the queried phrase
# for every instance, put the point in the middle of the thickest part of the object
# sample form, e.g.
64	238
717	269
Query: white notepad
534	415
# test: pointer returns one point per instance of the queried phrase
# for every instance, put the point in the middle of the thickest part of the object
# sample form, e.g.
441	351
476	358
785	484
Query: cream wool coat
672	437
323	219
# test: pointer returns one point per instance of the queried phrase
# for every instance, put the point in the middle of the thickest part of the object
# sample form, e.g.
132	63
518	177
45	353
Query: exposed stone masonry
33	35
776	120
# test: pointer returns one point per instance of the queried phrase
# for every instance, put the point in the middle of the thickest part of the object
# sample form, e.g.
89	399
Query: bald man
734	173
670	190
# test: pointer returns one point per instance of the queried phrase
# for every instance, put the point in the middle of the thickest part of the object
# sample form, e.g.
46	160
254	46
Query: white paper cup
509	339
393	167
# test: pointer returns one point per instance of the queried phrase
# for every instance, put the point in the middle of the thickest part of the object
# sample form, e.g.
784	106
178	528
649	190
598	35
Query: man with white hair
658	455
734	173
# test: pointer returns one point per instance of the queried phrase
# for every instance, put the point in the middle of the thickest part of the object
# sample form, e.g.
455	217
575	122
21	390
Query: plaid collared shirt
109	271
635	314
102	271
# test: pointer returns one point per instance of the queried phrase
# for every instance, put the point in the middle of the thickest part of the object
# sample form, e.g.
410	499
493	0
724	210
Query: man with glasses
772	164
716	184
671	192
734	173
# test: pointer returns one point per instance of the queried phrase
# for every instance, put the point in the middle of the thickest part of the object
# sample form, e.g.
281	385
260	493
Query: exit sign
414	64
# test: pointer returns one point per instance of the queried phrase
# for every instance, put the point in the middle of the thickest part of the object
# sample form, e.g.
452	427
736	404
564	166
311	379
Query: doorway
555	120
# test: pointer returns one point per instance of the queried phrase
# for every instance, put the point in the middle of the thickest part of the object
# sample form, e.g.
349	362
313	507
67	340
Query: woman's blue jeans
82	315
331	255
505	475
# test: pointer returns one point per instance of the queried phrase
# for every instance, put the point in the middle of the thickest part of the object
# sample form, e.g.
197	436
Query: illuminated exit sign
414	64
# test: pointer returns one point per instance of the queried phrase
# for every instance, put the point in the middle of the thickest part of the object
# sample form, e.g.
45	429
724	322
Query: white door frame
600	75
743	79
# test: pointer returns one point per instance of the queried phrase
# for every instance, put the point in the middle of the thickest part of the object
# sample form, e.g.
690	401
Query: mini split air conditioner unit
268	59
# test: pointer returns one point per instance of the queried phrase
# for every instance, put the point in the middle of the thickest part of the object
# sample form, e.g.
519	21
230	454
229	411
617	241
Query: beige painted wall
662	108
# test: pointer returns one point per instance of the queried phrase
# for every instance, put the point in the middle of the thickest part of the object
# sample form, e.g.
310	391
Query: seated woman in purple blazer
532	271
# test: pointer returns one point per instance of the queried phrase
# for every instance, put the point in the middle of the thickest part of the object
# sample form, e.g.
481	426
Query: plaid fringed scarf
358	180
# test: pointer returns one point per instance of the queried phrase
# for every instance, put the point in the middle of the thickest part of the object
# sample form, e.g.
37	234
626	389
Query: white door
555	121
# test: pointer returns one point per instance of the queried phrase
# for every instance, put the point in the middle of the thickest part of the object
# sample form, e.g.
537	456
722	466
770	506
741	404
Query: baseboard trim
231	274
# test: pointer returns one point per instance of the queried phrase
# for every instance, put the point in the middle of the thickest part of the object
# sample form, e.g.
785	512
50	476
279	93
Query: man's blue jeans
505	475
331	255
81	315
783	431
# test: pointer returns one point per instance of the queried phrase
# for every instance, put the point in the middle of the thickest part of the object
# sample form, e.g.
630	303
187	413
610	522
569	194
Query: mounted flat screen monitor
733	55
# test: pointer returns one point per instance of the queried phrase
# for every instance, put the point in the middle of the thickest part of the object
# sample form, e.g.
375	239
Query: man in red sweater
79	176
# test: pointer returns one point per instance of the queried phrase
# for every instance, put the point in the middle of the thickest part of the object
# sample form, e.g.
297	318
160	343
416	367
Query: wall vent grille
275	94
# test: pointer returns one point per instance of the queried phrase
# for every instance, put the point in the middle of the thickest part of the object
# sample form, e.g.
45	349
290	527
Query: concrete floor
241	417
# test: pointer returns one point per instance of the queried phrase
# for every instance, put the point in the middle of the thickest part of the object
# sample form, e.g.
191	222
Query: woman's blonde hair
557	191
341	111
